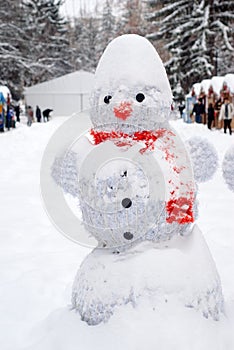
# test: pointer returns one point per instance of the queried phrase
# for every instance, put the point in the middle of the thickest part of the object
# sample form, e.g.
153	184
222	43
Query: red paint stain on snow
180	210
178	169
168	146
102	136
123	111
148	138
168	155
122	139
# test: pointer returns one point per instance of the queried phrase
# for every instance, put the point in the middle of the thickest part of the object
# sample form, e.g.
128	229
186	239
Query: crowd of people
224	117
38	114
10	113
210	109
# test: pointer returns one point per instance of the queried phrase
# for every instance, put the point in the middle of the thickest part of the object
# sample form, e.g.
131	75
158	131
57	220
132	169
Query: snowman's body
137	196
179	271
140	255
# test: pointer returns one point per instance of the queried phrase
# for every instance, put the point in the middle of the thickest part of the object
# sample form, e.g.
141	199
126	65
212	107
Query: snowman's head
131	89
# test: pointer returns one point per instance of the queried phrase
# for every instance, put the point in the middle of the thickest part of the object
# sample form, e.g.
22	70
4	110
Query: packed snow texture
228	168
64	173
122	62
106	281
38	264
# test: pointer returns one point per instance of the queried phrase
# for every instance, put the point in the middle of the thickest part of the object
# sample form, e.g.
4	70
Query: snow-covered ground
38	264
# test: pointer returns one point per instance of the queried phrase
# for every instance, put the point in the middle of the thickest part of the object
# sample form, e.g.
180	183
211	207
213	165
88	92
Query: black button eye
140	97
107	99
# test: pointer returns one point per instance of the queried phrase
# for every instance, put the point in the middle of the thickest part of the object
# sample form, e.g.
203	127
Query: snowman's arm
228	168
64	173
204	158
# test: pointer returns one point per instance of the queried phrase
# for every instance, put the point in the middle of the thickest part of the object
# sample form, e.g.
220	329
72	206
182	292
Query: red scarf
122	139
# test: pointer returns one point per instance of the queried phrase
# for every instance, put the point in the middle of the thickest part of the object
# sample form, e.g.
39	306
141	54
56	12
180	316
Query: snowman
134	182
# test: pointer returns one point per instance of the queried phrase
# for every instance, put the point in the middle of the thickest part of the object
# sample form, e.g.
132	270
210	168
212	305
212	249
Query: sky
72	7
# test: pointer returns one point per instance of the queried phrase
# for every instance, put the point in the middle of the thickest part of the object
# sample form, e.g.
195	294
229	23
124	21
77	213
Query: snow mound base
132	328
107	281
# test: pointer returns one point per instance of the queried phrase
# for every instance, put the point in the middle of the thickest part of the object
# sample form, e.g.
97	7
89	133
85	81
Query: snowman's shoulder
204	158
228	167
65	168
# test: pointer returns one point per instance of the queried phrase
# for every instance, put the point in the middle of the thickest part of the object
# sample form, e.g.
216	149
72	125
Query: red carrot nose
123	111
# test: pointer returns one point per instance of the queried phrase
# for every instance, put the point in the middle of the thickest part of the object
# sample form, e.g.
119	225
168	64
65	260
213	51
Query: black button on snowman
134	182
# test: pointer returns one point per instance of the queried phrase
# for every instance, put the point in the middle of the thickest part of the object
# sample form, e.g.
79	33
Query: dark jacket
38	113
198	109
211	113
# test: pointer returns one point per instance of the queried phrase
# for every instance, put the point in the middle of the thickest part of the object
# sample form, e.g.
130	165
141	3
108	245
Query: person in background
30	115
12	117
217	107
17	112
225	92
2	101
8	102
38	114
46	114
210	115
199	111
226	114
8	119
1	122
181	107
218	104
